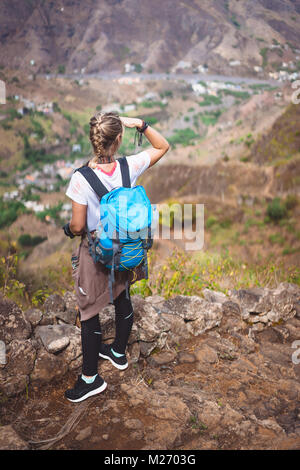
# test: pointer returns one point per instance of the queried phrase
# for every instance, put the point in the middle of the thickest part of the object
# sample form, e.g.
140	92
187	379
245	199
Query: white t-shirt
81	192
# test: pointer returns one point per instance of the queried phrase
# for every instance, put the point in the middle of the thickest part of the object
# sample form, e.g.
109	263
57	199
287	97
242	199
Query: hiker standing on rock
91	279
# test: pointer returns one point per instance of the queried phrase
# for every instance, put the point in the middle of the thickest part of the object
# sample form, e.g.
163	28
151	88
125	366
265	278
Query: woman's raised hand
131	122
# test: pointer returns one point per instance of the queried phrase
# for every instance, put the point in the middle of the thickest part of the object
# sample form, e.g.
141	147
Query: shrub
184	137
61	69
9	212
210	99
27	240
276	210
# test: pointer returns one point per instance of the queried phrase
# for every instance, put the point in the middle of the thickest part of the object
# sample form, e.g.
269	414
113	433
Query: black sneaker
106	352
82	390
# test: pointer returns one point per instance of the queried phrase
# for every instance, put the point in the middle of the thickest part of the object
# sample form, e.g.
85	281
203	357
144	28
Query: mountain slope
106	34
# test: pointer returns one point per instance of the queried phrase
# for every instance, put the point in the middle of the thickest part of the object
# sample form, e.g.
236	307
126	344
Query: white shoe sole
118	366
90	394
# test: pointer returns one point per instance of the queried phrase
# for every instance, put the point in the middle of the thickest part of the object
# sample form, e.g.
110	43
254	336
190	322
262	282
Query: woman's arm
78	221
160	145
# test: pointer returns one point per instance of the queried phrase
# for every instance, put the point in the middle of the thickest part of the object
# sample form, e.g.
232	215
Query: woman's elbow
76	228
166	147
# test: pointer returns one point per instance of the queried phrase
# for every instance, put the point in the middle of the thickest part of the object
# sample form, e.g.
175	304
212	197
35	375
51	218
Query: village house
76	148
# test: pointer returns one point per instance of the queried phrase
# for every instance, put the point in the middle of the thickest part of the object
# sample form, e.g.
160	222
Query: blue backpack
124	233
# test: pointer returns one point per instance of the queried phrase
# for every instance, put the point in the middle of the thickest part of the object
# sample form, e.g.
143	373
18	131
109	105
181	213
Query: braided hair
104	130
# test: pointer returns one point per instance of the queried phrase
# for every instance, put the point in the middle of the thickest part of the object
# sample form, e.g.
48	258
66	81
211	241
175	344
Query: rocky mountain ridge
105	35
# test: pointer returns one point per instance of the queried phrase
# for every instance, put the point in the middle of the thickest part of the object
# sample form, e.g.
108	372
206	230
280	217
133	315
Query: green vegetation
138	68
26	240
36	156
186	275
276	238
235	22
243	95
52	212
61	69
166	94
152	104
9	212
210	100
183	137
276	210
210	118
264	53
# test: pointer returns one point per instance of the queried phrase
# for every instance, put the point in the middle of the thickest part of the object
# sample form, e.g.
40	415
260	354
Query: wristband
143	127
67	230
139	133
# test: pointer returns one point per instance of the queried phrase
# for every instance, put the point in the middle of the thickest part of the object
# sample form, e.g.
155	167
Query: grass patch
210	100
183	137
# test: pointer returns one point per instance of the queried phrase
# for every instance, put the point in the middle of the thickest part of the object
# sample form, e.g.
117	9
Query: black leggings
91	334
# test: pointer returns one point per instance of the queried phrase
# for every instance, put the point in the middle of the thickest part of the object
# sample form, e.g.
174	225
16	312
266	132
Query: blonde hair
104	130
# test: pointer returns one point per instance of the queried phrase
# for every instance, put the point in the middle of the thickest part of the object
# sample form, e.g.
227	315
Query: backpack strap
93	181
125	172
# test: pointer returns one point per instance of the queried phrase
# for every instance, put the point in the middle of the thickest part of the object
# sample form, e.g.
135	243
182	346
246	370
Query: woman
91	280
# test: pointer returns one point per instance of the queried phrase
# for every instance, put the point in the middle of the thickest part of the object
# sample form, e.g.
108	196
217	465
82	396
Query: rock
154	299
105	437
13	324
271	424
47	367
198	314
134	424
12	385
231	308
210	317
210	414
297	307
265	306
146	348
33	315
187	307
84	434
137	435
20	357
149	323
53	306
9	439
162	358
206	354
178	328
214	296
134	352
246	345
186	358
231	416
68	316
54	303
55	338
71	308
170	408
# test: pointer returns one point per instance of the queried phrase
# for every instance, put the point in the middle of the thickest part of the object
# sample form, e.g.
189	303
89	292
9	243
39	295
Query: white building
129	107
234	63
76	148
129	68
199	89
182	64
